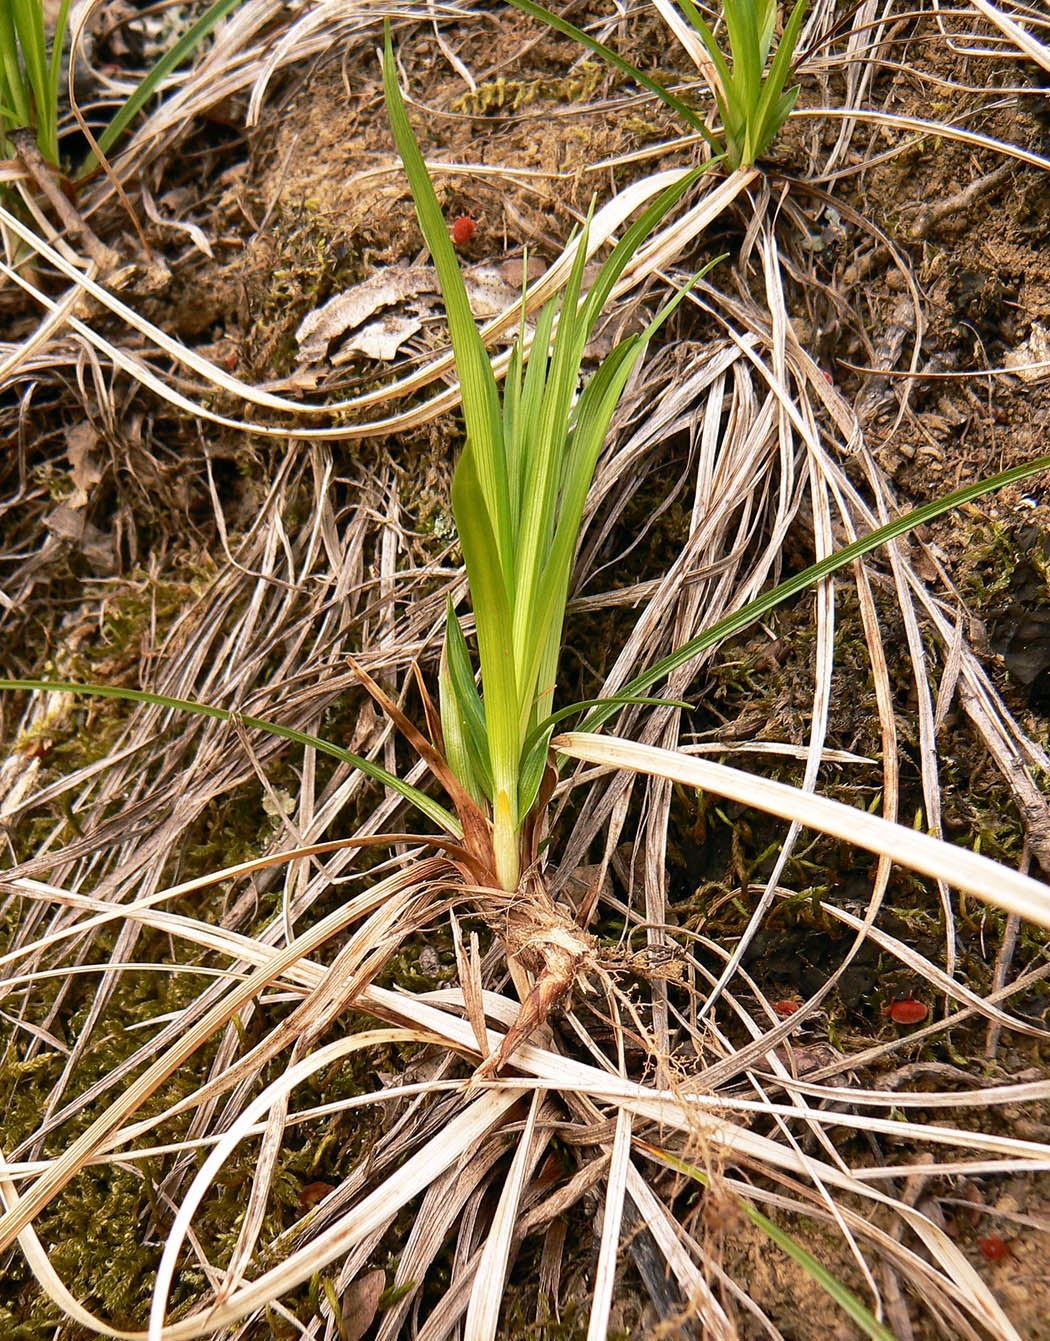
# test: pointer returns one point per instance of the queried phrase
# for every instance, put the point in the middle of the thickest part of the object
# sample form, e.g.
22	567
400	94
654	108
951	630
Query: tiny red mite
463	230
785	1008
994	1248
908	1011
312	1193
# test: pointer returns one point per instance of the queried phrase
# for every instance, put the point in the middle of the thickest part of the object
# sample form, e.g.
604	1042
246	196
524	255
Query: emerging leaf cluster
752	108
517	499
28	76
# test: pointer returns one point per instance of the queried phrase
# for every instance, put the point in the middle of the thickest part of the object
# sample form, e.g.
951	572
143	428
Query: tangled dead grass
260	1046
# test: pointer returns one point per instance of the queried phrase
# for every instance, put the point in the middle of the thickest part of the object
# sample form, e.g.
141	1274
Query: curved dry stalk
1021	38
678	1111
966	870
604	227
16	1217
307	35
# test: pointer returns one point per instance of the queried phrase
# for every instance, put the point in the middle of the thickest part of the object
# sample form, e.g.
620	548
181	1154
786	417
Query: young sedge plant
986	880
29	76
517	500
600	710
753	104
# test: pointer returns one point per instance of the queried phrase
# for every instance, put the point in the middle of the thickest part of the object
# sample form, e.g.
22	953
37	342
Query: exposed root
544	941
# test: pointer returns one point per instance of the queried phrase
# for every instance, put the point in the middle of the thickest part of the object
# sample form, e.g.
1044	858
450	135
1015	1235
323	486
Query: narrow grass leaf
542	602
568	29
454	734
512	426
425	804
171	60
481	407
725	77
542	475
775	104
470	709
54	73
841	1294
761	605
29	25
532	393
492	615
15	93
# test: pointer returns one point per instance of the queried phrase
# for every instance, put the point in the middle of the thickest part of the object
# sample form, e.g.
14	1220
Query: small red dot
785	1008
908	1011
994	1248
462	230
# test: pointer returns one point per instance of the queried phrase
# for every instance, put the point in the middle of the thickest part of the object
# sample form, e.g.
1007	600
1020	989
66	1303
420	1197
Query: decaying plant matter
280	1145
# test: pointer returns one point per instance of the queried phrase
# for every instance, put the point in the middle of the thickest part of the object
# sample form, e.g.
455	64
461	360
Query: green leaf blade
492	616
567	29
424	803
842	1295
481	407
171	60
761	605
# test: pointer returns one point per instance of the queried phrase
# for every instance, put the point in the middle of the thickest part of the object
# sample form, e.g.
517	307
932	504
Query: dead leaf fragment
67	524
488	291
1031	358
346	311
380	339
361	1302
513	272
81	440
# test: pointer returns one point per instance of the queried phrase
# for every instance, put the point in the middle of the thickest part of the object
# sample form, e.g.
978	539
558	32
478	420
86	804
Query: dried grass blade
714	1320
615	1190
469	966
923	127
966	870
65	1167
459	1137
1032	48
486	1297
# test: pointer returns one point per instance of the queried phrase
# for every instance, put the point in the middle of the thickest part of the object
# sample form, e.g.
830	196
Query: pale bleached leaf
350	309
998	885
